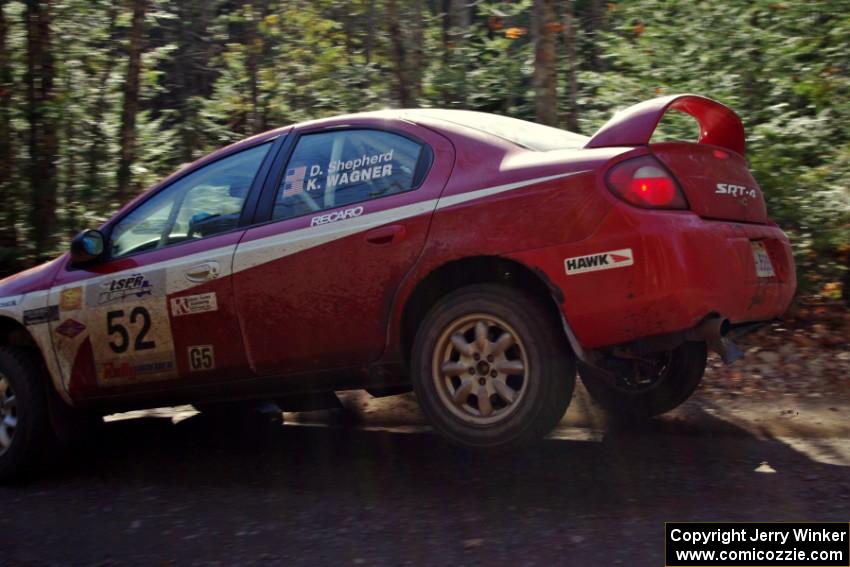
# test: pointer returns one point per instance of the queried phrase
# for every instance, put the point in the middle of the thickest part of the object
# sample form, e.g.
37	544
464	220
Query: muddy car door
159	305
346	219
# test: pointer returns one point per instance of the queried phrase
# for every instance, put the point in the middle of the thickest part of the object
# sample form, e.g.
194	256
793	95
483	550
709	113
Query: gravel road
200	491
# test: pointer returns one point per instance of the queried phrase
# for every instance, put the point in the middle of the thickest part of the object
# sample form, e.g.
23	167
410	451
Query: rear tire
25	431
636	396
491	368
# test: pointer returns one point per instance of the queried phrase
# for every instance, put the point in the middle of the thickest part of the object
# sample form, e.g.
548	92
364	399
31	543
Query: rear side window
334	169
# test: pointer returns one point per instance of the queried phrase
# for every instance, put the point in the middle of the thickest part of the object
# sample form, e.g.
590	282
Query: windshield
520	132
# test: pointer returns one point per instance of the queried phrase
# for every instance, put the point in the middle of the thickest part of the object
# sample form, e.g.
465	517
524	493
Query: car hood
34	279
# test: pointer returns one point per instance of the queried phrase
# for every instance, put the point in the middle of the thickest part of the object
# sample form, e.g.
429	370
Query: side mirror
87	247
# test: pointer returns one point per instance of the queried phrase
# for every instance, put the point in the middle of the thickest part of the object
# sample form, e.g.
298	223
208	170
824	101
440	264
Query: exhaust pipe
713	331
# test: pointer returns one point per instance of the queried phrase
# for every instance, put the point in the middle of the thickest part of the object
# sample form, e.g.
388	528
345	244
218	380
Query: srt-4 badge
600	261
735	190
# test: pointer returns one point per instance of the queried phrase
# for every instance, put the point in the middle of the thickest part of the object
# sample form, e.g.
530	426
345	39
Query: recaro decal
8	303
337	216
601	261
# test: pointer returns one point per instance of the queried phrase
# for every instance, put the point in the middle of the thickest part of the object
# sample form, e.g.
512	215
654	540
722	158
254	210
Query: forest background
101	98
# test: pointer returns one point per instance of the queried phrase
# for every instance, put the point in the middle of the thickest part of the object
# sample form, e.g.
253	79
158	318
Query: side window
333	169
205	202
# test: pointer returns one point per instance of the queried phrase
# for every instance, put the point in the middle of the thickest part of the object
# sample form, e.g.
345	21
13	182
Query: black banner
757	544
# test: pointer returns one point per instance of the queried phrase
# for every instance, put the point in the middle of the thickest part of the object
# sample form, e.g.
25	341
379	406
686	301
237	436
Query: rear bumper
685	268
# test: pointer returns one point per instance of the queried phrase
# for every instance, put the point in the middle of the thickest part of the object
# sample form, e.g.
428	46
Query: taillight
644	182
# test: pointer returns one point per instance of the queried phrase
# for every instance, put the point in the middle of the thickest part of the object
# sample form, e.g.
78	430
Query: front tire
656	386
24	419
491	368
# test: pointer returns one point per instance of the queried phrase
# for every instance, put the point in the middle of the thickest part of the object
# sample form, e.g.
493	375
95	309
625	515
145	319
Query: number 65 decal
114	326
201	358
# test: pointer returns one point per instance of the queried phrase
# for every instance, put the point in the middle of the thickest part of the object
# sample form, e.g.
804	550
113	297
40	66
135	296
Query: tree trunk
404	86
68	191
455	26
370	22
593	23
43	141
191	72
418	47
572	65
545	68
255	50
8	212
96	152
131	100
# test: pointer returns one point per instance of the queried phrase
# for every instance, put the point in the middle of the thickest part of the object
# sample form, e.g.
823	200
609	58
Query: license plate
764	269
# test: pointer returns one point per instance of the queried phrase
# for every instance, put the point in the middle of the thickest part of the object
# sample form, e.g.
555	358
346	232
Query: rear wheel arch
473	270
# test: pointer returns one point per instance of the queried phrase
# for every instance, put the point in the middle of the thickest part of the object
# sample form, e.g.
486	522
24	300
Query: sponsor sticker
8	303
41	315
600	261
134	285
293	183
70	328
338	173
201	358
337	216
126	371
192	304
71	299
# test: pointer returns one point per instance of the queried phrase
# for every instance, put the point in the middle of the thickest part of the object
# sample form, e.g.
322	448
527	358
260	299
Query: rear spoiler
718	124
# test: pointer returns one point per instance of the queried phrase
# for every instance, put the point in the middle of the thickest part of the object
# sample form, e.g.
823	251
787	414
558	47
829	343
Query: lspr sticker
600	261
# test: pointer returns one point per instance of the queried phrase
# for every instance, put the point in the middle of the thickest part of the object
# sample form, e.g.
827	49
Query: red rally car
477	258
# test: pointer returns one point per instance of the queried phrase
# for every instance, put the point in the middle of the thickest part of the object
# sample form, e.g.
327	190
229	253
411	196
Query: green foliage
784	68
215	71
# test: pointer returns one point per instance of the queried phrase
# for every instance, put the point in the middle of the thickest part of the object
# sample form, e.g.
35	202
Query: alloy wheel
8	414
480	368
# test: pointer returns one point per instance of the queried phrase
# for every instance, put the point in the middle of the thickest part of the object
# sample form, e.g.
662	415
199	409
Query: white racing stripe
479	193
267	249
251	254
270	248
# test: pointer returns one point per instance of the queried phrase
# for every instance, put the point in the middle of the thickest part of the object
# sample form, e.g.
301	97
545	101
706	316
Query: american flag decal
293	183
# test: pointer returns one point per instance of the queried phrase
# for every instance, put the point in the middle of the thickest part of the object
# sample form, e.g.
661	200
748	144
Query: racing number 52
114	326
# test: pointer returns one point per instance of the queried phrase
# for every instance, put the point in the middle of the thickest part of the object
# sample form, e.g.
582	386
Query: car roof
523	133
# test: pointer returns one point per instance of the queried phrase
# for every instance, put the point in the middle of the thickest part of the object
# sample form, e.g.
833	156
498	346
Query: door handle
203	272
385	235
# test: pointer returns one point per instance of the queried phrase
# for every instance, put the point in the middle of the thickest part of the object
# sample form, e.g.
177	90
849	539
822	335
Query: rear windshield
520	132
